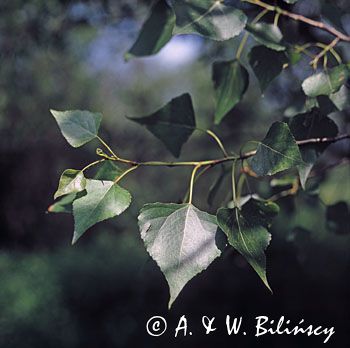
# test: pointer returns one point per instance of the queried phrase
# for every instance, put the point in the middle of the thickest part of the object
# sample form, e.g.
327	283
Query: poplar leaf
267	34
247	231
155	33
277	152
182	240
173	124
71	181
231	81
326	82
103	200
208	18
78	127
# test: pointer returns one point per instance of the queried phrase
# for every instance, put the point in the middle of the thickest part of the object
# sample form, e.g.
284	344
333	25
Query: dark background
101	292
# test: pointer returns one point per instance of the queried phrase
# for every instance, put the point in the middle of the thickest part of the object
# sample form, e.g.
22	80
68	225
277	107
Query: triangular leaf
78	127
326	82
108	171
267	64
103	200
309	125
267	34
173	124
246	230
71	181
277	152
208	18
231	81
155	32
182	240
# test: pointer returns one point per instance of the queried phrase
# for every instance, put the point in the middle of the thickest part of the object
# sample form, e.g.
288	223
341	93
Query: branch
300	18
211	163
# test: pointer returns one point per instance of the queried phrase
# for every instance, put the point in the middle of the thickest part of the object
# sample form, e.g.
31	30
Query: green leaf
290	1
231	81
173	124
78	127
309	125
108	171
246	230
64	205
103	200
155	32
341	99
326	82
182	240
277	152
208	18
267	64
267	34
71	181
337	218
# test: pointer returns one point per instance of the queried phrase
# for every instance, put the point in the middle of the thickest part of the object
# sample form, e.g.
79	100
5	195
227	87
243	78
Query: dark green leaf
309	125
103	200
181	239
246	230
338	216
231	81
108	171
71	181
277	152
267	34
78	127
173	124
267	64
155	32
326	82
208	18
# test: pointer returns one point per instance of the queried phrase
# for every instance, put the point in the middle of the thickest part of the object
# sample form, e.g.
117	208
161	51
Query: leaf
312	124
155	32
341	99
267	64
231	81
64	205
277	152
326	82
267	34
182	240
108	171
290	1
208	18
103	200
173	124
78	127
246	230
71	181
337	217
